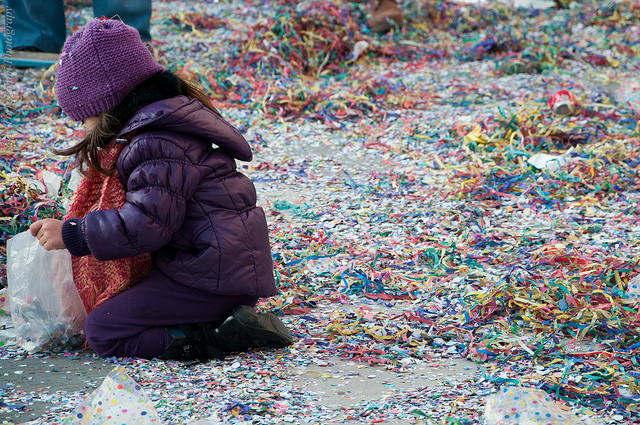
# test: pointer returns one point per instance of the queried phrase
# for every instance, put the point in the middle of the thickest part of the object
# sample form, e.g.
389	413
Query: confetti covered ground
411	225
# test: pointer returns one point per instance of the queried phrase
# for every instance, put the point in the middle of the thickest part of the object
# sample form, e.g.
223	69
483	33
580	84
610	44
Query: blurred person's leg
38	25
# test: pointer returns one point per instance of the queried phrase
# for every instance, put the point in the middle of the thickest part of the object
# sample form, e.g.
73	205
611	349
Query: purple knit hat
100	64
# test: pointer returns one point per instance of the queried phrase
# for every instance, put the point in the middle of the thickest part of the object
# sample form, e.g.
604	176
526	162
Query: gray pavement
40	377
339	384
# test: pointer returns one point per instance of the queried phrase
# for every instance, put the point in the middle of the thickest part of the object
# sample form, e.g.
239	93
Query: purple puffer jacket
186	203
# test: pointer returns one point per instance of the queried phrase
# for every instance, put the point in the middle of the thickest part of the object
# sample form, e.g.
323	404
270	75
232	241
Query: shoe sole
382	26
272	332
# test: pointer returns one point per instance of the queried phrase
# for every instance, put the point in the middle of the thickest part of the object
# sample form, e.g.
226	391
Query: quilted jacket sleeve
159	180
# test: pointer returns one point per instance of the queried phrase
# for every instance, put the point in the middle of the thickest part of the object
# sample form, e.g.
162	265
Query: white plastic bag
46	309
551	162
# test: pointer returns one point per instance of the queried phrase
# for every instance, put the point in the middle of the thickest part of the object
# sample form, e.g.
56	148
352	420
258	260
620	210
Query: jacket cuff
73	237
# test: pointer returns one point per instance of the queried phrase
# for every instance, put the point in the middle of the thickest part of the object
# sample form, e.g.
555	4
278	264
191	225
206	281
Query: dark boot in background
385	15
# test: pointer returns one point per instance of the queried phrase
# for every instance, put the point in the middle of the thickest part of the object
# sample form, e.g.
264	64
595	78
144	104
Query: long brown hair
164	85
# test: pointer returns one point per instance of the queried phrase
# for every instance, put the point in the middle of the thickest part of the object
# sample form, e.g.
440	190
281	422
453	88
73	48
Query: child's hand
49	233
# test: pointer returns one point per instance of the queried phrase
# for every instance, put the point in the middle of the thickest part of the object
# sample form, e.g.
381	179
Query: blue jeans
41	23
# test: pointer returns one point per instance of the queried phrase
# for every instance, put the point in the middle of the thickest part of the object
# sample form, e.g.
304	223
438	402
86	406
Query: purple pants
132	324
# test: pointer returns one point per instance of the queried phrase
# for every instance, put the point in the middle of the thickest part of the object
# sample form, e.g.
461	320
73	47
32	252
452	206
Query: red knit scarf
97	281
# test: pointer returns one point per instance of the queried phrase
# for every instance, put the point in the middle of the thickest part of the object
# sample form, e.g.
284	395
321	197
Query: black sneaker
193	341
246	329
